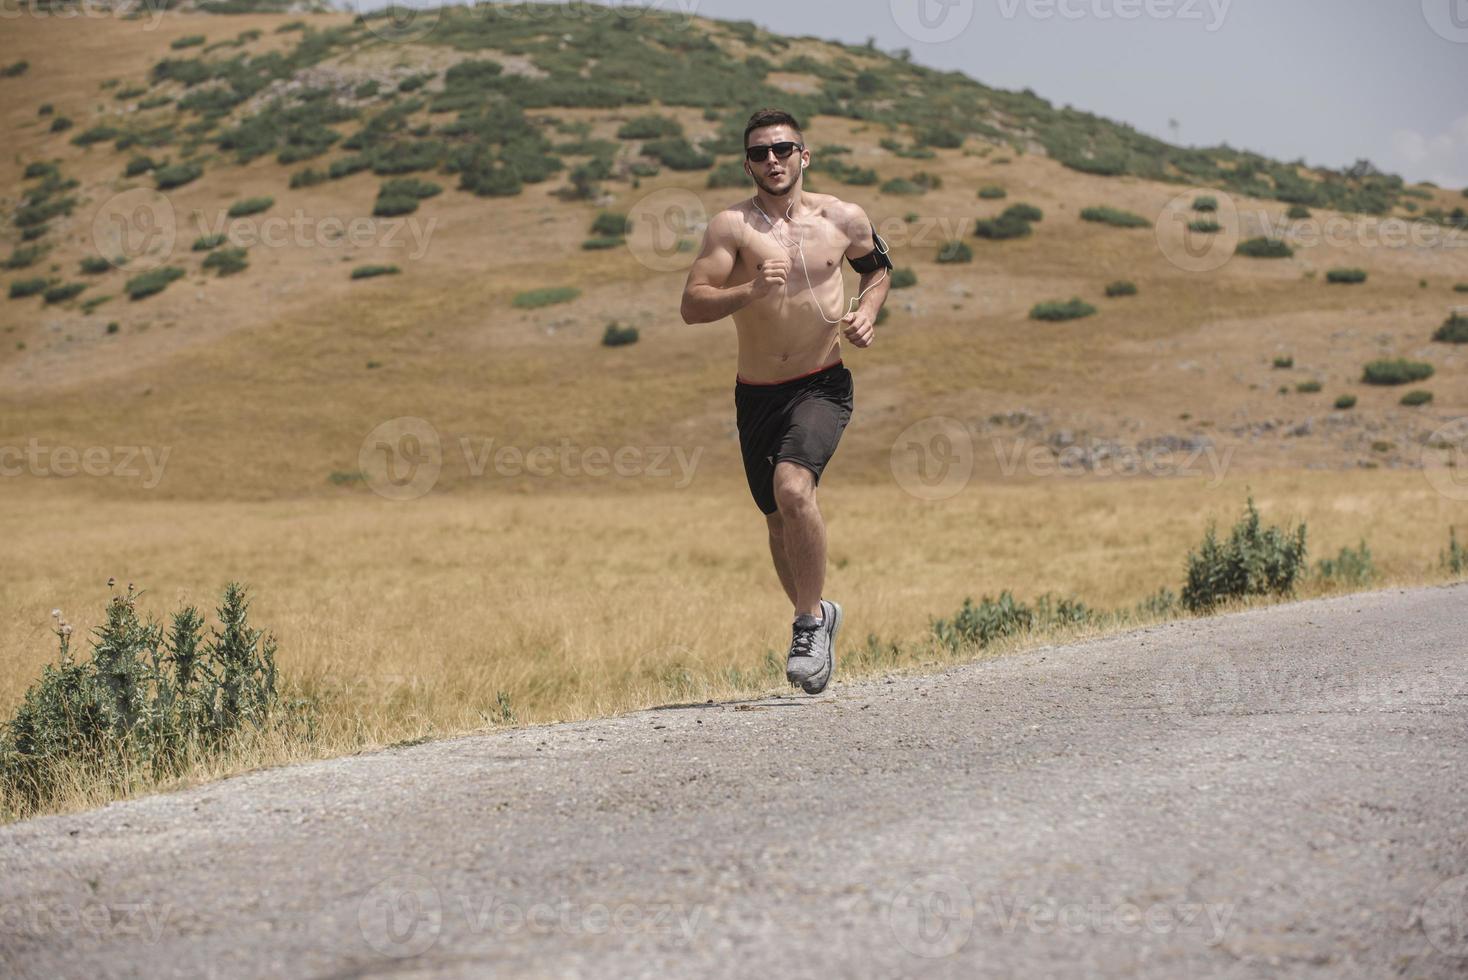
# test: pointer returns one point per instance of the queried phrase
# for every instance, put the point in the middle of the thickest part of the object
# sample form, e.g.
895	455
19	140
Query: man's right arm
705	297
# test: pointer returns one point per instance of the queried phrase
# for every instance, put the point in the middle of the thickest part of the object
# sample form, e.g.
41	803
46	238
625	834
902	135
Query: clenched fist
770	274
859	328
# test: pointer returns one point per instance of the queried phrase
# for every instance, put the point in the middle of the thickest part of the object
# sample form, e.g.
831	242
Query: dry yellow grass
410	617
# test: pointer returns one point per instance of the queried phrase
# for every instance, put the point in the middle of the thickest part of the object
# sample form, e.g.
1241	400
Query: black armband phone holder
875	259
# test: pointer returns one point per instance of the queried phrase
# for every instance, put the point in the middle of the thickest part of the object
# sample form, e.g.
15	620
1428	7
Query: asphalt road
1278	792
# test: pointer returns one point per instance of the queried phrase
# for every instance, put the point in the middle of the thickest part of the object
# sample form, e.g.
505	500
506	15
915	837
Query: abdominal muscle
783	335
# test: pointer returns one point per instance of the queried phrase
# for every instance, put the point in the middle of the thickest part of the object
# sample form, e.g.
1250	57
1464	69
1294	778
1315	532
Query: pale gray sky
1327	80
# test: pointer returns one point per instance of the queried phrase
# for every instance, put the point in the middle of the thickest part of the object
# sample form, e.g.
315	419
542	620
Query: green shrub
650	128
387	206
617	336
1461	287
21	288
992	193
536	298
601	243
1022	212
249	206
902	186
995	619
370	271
1454	330
1354	568
62	293
205	242
60	124
1345	276
676	153
1253	561
226	261
1344	402
1284	361
1395	371
153	281
729	174
113	327
176	175
1122	287
1418	396
97	134
611	224
95	265
307	178
139	165
25	256
1205	204
1072	309
1297	212
1455	559
1205	226
1002	228
187	41
955	251
1307	387
1264	248
146	703
346	166
1114	217
903	278
14	68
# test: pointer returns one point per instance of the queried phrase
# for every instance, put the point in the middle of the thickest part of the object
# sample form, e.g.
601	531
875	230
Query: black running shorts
800	420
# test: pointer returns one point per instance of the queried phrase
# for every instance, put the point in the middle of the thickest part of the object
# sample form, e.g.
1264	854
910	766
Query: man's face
773	175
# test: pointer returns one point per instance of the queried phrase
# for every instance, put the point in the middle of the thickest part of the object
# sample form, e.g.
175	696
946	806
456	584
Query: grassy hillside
476	158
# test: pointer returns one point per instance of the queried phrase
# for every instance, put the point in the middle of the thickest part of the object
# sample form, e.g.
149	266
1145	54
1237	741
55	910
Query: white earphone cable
801	246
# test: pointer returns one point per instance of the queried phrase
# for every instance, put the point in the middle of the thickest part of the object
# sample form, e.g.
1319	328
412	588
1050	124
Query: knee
795	488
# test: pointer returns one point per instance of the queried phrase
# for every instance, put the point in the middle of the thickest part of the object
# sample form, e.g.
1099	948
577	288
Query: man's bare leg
777	551
804	533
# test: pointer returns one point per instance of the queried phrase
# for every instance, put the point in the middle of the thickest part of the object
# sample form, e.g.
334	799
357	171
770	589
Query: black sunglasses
783	149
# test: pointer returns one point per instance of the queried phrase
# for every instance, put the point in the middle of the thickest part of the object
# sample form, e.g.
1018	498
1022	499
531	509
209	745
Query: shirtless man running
773	262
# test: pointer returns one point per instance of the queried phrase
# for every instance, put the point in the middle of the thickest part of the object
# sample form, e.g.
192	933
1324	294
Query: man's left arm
859	326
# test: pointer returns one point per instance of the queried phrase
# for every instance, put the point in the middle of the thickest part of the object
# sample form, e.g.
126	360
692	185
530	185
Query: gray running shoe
810	650
831	614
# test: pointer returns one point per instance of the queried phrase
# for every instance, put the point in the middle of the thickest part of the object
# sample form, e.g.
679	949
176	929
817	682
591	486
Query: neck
777	205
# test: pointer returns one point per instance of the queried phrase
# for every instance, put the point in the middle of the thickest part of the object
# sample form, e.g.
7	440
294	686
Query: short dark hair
771	117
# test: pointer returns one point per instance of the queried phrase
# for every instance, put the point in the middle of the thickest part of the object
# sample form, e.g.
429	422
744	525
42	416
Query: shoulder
849	216
729	224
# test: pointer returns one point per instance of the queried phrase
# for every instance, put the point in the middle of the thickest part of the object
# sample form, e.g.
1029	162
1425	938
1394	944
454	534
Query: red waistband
835	363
